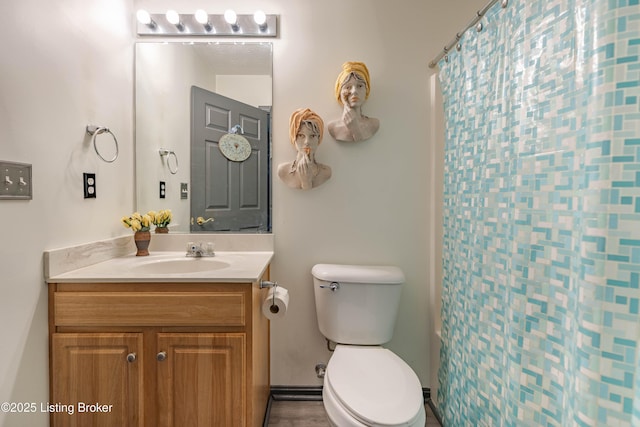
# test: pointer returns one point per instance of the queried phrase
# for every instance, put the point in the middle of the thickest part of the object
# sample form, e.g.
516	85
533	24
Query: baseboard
296	393
314	393
435	410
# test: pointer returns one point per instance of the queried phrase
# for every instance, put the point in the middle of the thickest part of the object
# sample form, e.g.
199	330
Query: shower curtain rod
456	39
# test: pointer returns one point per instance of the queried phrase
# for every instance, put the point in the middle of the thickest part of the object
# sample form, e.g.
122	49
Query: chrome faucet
200	249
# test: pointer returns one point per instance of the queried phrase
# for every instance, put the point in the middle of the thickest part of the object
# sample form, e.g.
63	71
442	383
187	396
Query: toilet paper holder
269	284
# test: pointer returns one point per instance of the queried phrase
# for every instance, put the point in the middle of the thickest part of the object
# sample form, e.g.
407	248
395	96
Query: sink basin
180	265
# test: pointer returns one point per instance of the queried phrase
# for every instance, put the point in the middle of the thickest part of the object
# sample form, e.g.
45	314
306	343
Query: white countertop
240	266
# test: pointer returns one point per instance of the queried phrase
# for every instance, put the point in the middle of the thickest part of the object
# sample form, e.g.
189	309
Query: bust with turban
306	129
352	90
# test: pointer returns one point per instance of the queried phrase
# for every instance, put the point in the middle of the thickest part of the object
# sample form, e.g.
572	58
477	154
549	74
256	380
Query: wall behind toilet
68	63
378	206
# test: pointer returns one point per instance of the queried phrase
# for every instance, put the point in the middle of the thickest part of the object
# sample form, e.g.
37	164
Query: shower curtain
541	255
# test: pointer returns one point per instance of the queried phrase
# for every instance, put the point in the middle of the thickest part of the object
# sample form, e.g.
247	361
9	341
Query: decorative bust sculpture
306	129
352	90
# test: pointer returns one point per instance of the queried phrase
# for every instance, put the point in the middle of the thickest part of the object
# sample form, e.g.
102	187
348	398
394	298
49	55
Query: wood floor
311	414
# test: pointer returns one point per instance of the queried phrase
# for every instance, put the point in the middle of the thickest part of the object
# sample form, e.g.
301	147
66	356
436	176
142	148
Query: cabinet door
96	379
202	379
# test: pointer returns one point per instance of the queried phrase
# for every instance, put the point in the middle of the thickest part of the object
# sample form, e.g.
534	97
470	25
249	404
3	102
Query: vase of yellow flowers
142	240
140	225
161	220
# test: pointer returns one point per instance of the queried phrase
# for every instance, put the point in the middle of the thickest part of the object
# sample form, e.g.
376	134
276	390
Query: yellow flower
162	218
138	222
136	225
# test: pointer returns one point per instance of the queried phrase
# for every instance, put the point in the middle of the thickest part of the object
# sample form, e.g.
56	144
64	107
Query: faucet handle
192	247
209	248
199	249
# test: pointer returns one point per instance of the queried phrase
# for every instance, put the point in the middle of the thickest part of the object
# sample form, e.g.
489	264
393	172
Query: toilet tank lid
378	274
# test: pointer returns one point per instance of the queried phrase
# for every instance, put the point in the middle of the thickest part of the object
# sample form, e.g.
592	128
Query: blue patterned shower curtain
541	256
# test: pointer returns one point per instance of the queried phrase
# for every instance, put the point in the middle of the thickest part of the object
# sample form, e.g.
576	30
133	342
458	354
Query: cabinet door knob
131	357
162	356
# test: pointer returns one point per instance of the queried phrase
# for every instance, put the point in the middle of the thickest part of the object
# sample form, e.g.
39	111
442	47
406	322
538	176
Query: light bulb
230	16
202	16
260	17
143	17
173	17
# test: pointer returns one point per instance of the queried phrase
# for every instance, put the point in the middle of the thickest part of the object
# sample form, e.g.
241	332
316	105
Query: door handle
201	221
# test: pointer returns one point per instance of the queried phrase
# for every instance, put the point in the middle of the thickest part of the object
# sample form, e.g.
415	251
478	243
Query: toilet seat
375	386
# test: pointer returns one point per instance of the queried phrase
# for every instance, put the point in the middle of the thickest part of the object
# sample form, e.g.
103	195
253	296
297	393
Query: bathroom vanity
169	344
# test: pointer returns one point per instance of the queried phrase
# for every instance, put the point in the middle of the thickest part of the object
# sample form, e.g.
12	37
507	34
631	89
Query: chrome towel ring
94	131
168	153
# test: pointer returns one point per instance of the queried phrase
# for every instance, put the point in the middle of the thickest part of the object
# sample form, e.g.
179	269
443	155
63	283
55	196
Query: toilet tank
363	306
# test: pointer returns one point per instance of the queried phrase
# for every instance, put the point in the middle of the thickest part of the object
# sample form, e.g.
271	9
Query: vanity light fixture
202	23
203	18
174	18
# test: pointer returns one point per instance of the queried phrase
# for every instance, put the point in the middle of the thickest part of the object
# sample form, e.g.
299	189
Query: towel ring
169	153
94	131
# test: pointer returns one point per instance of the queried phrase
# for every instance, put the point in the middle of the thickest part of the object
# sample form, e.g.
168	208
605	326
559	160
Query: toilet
365	384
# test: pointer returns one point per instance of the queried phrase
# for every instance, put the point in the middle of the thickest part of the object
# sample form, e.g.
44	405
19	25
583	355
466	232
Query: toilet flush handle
334	286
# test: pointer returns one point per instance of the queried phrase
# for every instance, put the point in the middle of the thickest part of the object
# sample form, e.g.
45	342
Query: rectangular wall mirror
188	96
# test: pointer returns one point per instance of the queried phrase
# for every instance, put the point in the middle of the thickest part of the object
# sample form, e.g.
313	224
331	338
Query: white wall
63	65
67	63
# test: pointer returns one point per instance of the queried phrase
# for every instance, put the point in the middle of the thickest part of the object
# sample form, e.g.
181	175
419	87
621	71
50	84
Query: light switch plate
184	190
15	181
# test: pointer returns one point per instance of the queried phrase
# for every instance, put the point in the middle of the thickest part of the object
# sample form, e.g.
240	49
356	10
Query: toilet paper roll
276	303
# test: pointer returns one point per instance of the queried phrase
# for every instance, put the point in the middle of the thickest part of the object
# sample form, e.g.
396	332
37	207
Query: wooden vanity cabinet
158	354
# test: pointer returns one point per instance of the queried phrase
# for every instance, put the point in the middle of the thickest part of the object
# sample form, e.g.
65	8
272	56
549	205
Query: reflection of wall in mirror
252	90
165	73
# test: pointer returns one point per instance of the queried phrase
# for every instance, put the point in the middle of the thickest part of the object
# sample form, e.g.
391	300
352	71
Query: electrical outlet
89	185
184	190
163	189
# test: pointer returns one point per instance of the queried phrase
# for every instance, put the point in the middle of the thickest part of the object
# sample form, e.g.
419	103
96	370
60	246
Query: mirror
165	75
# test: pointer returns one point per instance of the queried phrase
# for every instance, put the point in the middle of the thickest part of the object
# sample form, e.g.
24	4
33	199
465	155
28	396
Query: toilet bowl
365	385
368	386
